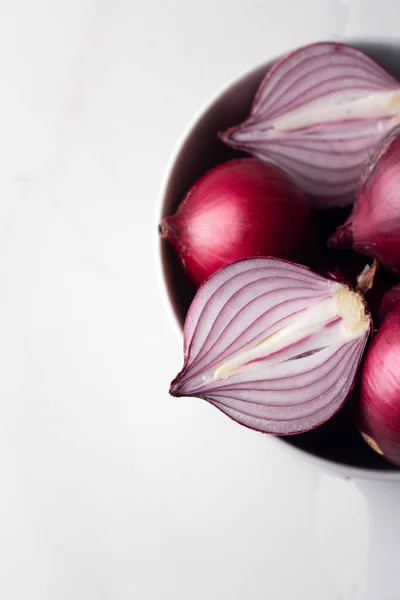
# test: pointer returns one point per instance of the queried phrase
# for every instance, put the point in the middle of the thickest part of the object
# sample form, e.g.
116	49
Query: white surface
110	488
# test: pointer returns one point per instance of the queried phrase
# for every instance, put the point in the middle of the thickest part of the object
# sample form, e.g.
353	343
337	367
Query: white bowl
335	445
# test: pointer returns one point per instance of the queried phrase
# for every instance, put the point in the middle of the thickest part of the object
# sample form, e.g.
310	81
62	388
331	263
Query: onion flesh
273	345
318	114
379	406
239	209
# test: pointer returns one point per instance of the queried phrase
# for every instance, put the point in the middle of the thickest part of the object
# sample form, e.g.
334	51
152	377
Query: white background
110	489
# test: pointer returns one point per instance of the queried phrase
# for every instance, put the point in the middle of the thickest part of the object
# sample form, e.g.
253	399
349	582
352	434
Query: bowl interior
337	440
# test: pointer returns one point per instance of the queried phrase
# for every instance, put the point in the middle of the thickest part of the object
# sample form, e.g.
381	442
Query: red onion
379	408
373	228
239	209
318	114
273	345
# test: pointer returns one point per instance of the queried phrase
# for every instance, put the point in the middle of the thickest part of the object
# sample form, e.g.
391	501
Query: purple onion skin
379	405
373	228
390	299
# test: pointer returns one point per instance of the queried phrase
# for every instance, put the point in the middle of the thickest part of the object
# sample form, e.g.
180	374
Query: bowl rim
341	469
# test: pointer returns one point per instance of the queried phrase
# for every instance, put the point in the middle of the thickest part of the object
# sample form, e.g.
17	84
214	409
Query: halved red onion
318	114
273	345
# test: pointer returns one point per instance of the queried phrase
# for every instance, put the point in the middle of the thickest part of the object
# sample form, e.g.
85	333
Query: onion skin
379	405
239	209
390	299
373	228
318	114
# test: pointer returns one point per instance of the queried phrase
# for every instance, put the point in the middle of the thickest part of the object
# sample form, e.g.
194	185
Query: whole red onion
379	407
239	209
373	228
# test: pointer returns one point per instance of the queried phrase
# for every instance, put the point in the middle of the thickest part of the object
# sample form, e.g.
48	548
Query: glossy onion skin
373	228
379	407
239	209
